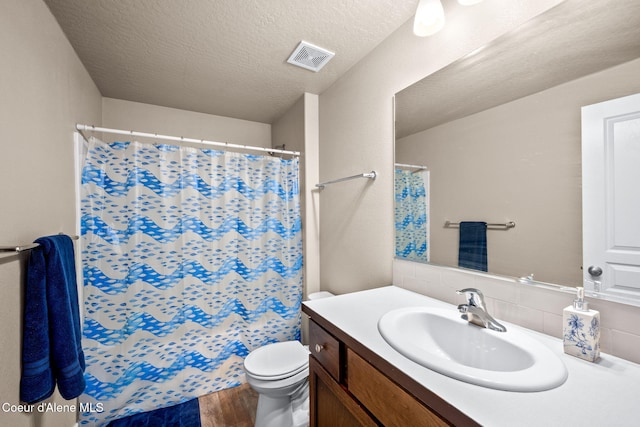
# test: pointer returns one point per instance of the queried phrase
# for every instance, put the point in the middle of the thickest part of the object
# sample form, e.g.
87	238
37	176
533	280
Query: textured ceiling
222	57
574	39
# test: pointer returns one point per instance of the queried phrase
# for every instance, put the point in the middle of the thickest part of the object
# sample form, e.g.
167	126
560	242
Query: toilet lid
278	360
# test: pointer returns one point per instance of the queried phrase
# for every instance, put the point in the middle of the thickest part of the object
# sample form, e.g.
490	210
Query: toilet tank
319	295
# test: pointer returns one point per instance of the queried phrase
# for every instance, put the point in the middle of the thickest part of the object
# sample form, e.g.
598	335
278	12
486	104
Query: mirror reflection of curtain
411	221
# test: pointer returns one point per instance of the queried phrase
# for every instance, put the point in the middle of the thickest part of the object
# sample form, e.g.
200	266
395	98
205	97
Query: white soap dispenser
581	329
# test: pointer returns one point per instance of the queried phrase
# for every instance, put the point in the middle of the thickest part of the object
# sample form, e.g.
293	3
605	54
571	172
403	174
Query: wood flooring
233	407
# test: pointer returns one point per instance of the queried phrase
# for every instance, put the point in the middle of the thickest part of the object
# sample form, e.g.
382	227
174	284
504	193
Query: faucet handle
474	297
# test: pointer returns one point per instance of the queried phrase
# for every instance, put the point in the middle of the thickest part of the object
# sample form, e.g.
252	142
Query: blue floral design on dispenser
581	329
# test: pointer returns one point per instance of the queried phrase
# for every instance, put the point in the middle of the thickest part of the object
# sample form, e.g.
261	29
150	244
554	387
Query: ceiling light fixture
429	18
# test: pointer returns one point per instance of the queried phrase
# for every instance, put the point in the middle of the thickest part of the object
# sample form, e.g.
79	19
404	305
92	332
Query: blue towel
51	344
472	250
186	414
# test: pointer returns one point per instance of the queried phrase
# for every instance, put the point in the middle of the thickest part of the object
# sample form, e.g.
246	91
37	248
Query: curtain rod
91	128
403	165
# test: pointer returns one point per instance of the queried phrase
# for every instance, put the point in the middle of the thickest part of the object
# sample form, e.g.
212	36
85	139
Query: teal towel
51	344
472	249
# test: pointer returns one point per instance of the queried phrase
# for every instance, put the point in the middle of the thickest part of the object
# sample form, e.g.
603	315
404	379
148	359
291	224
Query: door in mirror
611	197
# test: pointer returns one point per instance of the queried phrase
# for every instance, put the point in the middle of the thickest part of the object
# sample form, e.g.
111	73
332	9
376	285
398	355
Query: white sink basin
440	340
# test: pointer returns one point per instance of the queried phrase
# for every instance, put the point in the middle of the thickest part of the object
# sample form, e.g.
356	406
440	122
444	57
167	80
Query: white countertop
605	393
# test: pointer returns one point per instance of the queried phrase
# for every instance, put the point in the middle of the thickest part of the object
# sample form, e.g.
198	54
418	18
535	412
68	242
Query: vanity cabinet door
349	386
329	403
389	403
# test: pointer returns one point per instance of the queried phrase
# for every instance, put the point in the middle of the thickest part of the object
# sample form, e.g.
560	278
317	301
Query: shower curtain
411	204
191	259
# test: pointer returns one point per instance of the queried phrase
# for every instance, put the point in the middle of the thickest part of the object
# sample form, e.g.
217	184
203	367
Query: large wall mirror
500	134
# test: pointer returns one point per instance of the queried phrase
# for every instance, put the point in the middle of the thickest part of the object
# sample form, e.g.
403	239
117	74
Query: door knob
595	271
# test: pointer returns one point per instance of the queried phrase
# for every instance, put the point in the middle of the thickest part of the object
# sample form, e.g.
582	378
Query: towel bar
506	225
370	175
22	248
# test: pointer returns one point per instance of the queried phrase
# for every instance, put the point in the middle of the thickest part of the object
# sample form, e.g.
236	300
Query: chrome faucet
475	310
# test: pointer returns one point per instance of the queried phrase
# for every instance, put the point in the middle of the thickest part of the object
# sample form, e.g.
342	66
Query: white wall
356	135
44	91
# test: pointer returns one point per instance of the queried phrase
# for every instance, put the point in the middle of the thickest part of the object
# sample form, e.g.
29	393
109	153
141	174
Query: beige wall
298	130
311	220
140	117
289	128
356	135
44	91
517	162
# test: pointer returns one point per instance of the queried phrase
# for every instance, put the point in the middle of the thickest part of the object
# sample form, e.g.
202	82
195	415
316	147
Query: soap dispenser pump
581	329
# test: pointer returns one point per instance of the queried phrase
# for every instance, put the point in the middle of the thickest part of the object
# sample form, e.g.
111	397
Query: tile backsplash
536	307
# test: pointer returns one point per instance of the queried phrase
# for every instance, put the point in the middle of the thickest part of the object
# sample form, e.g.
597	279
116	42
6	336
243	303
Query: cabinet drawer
325	348
389	403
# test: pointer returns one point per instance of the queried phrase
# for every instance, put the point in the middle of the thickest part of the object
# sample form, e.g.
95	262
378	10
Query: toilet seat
276	377
277	361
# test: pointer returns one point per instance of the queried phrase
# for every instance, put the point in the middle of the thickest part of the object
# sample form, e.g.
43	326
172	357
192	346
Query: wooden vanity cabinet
348	386
330	403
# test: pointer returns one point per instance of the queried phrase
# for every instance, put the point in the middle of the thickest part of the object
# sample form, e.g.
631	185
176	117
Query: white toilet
279	372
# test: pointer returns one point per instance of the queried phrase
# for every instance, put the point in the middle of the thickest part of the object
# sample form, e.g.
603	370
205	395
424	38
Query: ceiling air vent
310	57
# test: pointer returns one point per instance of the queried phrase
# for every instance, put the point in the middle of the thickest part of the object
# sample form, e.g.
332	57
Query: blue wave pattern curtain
191	259
411	215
